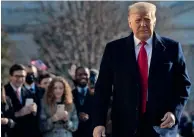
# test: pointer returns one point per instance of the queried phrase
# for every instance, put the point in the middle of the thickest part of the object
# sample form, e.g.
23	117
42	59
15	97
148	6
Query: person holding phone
58	116
18	94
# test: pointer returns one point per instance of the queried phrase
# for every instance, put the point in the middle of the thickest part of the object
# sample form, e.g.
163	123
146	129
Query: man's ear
129	21
154	23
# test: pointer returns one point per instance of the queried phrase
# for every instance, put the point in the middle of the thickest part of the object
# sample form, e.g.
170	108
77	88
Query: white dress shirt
148	48
80	90
31	87
17	89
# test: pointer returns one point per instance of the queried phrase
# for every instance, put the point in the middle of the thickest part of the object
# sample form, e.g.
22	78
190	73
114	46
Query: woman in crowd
7	115
58	116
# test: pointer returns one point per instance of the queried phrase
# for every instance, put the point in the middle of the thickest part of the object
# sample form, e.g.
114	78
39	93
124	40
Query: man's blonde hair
142	6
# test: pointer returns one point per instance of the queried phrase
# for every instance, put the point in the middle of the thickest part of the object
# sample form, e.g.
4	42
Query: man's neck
82	86
15	87
29	85
137	40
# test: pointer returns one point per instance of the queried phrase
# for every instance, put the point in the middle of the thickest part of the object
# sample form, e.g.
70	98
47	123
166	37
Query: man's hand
168	120
99	131
83	116
33	107
22	112
25	111
4	121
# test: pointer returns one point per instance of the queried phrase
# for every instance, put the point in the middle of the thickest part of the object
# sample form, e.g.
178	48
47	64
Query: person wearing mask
36	93
58	116
31	82
23	111
7	115
83	101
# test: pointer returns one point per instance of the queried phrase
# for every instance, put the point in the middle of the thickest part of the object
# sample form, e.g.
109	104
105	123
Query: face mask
30	78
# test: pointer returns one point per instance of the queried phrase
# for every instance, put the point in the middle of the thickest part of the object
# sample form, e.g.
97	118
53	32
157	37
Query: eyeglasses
19	76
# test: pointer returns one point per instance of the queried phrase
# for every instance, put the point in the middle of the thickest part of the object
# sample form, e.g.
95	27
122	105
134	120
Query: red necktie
143	69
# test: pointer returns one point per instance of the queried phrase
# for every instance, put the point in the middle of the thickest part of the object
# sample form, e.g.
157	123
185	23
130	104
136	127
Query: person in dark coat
7	115
83	98
148	76
24	110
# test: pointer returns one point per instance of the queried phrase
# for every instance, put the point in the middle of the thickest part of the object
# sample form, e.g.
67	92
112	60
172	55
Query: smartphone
60	107
29	101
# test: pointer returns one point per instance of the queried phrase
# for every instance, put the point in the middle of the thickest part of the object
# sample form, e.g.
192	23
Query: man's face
45	82
82	77
31	75
32	70
142	24
18	78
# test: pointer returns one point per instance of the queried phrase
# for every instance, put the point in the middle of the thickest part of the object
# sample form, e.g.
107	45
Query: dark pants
108	135
145	128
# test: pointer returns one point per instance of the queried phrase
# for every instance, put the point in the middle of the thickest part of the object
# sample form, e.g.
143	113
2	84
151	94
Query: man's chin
83	85
18	85
144	36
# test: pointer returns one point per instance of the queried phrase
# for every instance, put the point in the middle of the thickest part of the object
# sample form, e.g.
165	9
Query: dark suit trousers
145	128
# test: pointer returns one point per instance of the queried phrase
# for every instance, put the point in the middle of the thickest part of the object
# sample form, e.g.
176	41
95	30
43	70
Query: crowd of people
40	104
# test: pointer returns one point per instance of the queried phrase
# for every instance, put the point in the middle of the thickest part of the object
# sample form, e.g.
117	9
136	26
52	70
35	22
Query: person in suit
83	101
58	114
31	83
7	115
36	93
148	76
23	113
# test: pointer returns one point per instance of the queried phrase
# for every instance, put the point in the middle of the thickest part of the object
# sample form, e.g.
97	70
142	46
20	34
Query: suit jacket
7	112
37	96
25	125
168	85
84	128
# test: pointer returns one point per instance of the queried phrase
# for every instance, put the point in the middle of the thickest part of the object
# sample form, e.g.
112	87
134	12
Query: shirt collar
137	41
30	87
15	89
79	88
